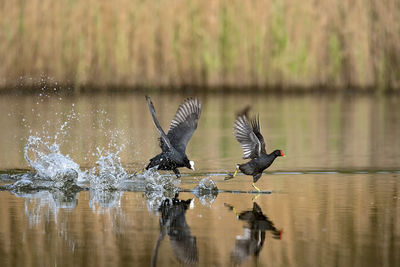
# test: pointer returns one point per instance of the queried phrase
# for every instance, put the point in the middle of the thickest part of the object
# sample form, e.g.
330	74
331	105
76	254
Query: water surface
332	201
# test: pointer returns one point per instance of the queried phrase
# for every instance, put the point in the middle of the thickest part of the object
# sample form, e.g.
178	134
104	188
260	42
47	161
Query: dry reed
234	43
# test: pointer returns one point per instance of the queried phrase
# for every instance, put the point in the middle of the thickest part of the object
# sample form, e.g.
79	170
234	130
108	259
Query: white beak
192	165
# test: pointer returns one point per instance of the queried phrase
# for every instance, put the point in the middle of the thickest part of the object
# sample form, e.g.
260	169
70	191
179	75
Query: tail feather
160	130
156	161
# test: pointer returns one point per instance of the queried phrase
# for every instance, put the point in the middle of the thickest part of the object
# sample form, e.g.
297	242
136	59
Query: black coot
173	223
173	144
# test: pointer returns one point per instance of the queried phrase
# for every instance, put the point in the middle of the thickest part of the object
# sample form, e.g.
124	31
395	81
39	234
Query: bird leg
258	189
237	168
255	197
177	173
230	176
258	194
139	172
232	208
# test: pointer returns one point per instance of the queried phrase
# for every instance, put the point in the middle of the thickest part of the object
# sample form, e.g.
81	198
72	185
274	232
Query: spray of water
108	173
157	188
106	180
49	163
206	191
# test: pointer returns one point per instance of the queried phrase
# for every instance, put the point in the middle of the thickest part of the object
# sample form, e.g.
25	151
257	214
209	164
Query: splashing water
108	176
206	191
55	170
158	182
43	154
50	163
109	172
157	187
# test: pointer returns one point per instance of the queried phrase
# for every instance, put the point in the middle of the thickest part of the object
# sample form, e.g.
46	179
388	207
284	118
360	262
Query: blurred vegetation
213	44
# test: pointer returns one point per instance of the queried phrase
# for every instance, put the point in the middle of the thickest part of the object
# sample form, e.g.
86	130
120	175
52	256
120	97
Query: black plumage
173	144
248	134
252	240
173	223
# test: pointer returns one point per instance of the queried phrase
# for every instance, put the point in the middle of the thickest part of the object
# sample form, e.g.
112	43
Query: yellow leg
258	195
258	189
237	168
139	172
255	197
234	173
232	208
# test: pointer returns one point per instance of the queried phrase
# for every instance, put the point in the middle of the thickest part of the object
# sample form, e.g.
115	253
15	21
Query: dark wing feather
185	248
255	124
248	140
244	111
164	139
184	123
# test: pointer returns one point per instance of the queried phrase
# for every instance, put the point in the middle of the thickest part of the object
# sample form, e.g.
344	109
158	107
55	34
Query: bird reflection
253	237
173	223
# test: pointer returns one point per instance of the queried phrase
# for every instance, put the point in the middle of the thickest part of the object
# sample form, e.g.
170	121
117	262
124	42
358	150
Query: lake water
332	201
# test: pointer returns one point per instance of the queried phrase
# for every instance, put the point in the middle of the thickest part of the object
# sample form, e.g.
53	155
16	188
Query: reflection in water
253	237
104	200
173	223
47	204
325	224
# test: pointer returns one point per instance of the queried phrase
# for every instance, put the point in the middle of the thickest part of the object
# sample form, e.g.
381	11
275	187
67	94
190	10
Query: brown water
334	198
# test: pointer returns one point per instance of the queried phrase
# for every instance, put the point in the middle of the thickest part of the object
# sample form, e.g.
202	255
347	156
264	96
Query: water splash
109	173
106	180
49	163
206	191
157	188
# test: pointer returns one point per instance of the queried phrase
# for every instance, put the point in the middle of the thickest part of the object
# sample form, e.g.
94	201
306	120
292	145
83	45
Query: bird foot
177	173
232	208
229	206
230	176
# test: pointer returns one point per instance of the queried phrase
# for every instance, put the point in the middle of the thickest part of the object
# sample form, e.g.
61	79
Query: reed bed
209	44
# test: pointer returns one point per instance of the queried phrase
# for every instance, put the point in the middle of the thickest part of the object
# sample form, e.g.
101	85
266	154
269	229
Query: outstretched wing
164	138
255	124
184	123
246	137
